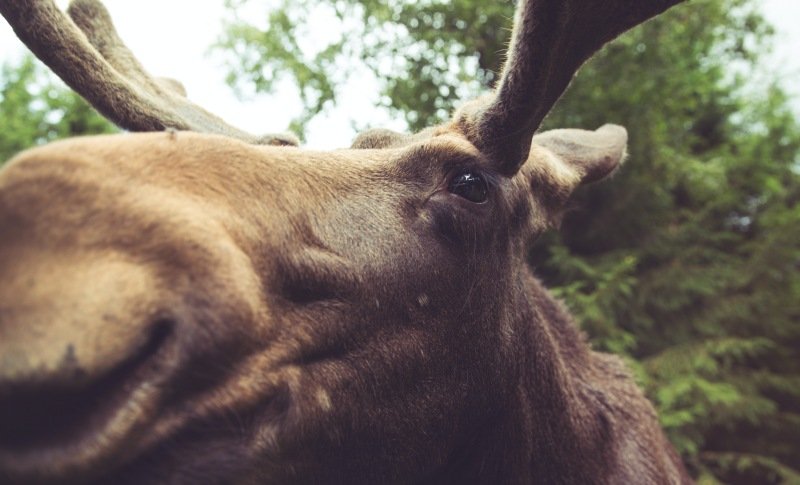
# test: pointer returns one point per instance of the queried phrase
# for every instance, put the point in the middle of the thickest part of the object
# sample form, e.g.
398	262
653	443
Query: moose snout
115	317
79	335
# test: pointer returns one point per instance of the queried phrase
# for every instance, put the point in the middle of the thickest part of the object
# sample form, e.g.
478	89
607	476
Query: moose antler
88	54
551	39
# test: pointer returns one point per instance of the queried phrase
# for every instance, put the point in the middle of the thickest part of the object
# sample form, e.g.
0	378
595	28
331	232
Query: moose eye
470	186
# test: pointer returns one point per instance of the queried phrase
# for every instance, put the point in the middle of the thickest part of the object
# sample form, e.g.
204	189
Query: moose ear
592	155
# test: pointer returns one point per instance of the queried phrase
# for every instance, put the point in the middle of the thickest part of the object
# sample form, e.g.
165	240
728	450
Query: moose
196	304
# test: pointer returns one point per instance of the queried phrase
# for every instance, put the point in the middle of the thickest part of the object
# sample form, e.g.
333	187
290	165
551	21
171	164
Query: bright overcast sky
147	26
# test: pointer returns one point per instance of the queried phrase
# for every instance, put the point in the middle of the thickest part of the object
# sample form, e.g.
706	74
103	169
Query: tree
694	255
428	55
35	110
687	262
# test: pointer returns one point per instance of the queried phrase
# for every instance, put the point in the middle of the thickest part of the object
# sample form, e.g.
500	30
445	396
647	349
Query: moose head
200	305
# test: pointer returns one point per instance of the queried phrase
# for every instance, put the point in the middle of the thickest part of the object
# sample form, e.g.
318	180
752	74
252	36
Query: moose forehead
230	181
205	208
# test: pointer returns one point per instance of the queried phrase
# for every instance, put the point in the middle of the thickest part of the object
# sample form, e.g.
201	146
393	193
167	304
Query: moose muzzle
115	308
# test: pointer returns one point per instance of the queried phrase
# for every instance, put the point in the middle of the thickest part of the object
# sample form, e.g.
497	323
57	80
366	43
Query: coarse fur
198	308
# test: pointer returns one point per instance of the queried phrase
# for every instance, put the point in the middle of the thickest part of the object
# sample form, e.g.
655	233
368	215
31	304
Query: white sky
146	26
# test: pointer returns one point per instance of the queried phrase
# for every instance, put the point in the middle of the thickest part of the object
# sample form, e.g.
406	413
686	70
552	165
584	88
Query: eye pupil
470	186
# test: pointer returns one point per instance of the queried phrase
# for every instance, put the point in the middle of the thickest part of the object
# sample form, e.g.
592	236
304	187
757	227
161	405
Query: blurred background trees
687	262
34	109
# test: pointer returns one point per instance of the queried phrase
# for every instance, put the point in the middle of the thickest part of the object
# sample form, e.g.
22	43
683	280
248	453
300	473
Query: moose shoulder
202	306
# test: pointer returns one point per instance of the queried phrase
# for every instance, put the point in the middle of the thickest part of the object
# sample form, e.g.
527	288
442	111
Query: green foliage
709	210
35	110
687	261
708	207
428	55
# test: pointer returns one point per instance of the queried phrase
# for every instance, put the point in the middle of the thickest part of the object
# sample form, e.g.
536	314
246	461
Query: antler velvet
550	41
87	53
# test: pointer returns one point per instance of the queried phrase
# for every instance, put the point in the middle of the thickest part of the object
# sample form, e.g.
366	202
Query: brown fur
323	317
188	308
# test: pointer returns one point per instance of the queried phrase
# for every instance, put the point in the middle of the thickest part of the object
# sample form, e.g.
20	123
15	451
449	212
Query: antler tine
550	41
95	22
90	57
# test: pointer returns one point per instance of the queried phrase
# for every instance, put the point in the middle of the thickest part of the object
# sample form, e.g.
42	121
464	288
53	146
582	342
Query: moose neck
555	427
569	428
